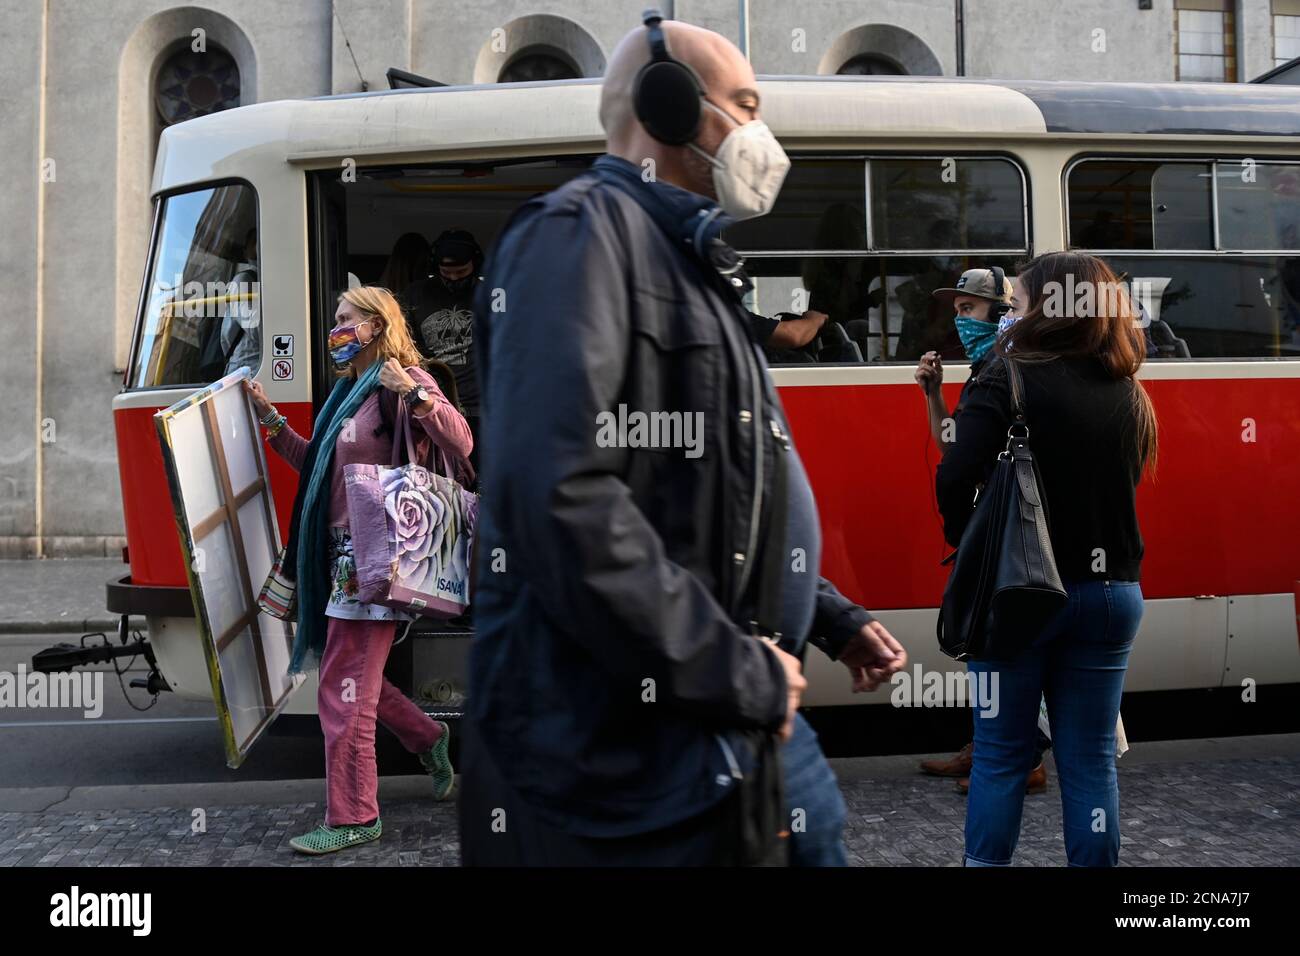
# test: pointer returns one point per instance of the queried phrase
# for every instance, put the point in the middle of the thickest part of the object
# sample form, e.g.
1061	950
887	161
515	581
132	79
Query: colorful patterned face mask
977	336
345	344
1006	322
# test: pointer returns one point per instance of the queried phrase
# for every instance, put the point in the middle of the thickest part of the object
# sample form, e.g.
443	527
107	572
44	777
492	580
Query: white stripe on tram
815	375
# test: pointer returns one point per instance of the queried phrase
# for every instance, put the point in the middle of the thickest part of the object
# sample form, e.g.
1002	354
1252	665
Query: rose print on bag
417	512
462	553
412	529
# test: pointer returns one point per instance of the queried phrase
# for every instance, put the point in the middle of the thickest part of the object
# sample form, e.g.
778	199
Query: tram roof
494	118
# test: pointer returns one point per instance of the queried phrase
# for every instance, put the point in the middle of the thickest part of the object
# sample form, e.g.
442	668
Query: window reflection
1126	204
940	203
925	203
821	206
1259	205
202	310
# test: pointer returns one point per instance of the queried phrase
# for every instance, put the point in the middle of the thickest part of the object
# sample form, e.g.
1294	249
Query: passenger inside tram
410	261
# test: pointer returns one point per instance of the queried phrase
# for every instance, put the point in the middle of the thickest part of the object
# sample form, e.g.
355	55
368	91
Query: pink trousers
354	694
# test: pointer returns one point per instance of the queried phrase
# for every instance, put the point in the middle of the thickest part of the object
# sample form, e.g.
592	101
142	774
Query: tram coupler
64	657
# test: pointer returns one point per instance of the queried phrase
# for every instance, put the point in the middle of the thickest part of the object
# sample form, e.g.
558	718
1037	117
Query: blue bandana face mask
977	336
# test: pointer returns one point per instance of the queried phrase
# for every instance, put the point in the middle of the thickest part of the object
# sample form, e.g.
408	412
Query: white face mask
748	168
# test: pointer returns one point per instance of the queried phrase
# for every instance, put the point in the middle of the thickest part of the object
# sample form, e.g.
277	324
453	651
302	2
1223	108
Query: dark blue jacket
613	659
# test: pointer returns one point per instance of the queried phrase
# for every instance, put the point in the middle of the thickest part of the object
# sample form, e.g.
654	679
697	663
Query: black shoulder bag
1004	585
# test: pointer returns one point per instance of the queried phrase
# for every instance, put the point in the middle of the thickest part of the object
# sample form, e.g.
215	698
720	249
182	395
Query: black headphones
999	307
666	92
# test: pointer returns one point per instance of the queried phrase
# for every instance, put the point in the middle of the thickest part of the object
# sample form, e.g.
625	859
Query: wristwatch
415	397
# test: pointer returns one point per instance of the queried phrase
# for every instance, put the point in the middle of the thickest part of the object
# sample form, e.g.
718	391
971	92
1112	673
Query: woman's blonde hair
395	340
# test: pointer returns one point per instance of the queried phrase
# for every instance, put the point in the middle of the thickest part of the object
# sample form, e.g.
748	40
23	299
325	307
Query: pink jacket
360	445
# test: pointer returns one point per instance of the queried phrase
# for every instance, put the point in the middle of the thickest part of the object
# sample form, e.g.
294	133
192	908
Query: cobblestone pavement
1224	813
1208	813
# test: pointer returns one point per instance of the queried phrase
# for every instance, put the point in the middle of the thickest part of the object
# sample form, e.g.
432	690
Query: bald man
648	543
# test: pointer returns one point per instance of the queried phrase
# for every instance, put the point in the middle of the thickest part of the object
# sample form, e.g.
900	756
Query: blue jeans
813	800
1078	662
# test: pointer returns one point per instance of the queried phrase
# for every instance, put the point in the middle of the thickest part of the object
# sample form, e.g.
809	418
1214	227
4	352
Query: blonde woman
350	640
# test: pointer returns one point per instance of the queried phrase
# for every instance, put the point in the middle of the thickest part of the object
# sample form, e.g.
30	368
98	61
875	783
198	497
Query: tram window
201	317
936	203
821	206
1259	205
880	307
1206	307
1140	204
922	203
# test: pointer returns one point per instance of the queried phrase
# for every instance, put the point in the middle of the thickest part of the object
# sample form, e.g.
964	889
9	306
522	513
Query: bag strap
402	435
1017	389
767	610
441	462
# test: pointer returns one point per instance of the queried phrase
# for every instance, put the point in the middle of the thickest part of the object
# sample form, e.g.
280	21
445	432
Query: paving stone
1224	813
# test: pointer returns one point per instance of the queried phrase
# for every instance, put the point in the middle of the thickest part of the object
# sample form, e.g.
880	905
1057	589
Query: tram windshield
201	317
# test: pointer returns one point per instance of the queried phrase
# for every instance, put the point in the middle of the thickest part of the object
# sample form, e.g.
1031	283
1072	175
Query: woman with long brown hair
1078	343
372	347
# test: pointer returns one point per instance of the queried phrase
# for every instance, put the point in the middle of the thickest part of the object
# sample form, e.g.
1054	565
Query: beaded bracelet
273	429
270	417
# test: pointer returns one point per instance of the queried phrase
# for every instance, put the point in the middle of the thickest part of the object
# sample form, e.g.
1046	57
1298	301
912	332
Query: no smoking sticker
282	370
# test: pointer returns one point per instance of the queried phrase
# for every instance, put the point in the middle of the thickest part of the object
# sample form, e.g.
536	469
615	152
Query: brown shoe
1036	782
957	765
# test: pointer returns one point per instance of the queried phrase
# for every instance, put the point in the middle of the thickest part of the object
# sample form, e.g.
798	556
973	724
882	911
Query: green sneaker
438	764
327	839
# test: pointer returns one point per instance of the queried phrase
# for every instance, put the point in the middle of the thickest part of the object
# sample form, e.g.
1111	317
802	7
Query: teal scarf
308	548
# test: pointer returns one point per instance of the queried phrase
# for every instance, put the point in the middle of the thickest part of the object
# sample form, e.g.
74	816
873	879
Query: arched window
871	64
879	49
191	84
539	62
538	47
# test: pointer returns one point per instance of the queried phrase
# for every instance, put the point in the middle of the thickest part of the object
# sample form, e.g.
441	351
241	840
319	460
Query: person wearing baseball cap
979	301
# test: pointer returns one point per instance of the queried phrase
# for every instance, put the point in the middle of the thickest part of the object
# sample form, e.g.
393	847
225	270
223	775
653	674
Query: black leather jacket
615	585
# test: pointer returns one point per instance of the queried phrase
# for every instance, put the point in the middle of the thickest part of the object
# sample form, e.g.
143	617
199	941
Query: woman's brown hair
1078	307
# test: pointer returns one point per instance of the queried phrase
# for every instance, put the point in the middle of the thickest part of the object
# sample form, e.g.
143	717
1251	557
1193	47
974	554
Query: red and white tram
898	185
